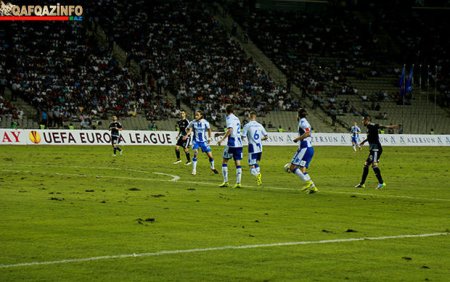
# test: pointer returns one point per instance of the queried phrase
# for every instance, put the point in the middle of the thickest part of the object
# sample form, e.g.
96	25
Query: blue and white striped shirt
199	128
234	139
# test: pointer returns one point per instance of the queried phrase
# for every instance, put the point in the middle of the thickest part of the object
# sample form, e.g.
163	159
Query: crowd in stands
6	106
323	52
8	109
423	34
63	71
300	43
179	44
179	47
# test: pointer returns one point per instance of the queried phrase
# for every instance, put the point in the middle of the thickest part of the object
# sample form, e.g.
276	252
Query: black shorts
184	143
374	154
115	140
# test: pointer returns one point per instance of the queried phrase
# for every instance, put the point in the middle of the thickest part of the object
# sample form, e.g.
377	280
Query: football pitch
75	213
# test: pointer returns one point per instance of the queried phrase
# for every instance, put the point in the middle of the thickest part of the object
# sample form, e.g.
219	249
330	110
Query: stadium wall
103	137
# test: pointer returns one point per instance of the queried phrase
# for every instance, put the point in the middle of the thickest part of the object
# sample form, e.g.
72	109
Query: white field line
176	179
223	248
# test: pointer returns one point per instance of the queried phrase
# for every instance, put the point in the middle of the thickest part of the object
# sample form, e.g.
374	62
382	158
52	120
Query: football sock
378	174
211	161
194	163
119	149
254	171
301	175
177	153
188	156
225	172
354	148
238	174
258	169
364	175
307	176
114	150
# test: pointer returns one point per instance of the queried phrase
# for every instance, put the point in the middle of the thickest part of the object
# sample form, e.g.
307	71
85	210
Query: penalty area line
223	248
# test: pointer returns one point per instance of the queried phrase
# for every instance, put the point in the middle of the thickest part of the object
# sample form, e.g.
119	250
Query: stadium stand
143	60
78	81
184	46
342	57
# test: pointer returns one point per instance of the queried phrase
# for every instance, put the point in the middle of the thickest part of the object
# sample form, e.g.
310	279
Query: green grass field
78	214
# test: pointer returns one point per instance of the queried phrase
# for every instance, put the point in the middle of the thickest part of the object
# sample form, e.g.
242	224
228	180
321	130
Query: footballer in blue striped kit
255	134
305	152
233	149
201	131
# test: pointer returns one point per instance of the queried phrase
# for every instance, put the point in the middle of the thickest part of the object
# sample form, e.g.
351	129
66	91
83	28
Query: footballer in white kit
202	136
305	152
233	149
255	134
355	131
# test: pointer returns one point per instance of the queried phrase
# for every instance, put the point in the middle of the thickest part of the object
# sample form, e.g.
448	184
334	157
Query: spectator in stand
377	107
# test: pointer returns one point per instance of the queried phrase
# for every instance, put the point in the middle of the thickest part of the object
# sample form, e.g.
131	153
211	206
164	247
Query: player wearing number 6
303	156
255	134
